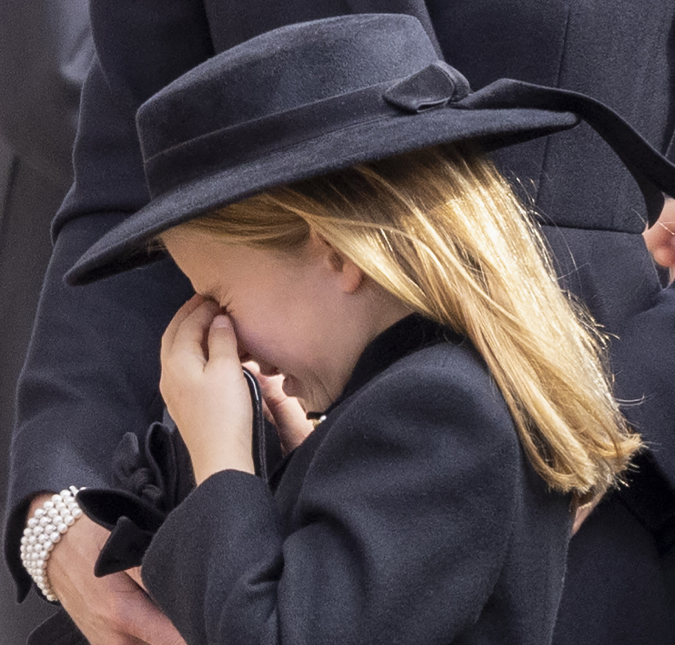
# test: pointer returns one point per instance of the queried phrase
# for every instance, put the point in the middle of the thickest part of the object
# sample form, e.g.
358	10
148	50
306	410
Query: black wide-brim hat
315	97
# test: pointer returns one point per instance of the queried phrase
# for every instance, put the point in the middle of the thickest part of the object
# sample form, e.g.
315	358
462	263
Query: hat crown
281	70
314	98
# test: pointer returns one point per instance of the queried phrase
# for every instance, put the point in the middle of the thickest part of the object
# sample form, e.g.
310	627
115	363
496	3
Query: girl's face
308	315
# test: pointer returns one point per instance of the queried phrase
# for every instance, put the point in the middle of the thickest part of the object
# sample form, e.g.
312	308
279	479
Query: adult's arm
92	368
45	53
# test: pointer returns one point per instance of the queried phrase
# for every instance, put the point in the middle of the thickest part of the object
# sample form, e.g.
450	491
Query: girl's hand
285	412
205	390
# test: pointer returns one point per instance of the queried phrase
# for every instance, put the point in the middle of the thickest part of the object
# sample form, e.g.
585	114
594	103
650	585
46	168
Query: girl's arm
392	523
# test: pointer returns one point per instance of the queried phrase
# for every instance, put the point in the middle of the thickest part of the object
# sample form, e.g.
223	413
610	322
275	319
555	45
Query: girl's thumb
222	341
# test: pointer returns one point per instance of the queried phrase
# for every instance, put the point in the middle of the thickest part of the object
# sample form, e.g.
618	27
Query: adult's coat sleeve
92	369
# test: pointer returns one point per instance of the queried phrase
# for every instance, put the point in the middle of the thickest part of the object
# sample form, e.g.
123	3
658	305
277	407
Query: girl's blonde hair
441	230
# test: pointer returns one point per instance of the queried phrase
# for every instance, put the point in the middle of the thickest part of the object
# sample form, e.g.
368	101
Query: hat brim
124	246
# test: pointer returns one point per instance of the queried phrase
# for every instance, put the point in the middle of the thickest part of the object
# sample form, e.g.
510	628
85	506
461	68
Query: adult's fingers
135	575
660	238
112	610
583	512
145	622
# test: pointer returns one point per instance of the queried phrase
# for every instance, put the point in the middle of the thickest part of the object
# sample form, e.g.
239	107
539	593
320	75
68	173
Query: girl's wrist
214	461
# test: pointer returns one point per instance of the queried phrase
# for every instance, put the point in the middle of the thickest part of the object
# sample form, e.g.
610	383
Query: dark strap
259	434
653	173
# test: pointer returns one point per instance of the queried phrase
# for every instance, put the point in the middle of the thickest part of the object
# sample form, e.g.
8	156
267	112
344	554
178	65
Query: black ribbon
441	86
429	89
151	480
653	173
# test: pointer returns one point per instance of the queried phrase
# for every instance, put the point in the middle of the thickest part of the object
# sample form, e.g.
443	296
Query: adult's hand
660	238
583	512
113	610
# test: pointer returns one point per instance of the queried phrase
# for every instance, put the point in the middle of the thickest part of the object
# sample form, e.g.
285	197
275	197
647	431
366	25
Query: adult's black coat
44	56
89	377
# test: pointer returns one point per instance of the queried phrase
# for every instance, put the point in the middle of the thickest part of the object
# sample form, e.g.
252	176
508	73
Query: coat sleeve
398	534
92	369
45	52
89	375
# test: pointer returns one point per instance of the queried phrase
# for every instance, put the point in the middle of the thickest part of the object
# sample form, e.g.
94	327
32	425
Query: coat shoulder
442	390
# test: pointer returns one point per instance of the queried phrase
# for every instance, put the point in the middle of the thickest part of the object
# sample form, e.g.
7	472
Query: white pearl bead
43	531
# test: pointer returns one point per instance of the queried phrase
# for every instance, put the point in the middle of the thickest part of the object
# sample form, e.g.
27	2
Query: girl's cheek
246	349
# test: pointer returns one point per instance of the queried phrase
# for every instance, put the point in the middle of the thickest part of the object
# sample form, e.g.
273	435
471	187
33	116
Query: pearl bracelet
43	531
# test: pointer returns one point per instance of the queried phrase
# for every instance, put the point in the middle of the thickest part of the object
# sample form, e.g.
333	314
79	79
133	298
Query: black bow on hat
312	98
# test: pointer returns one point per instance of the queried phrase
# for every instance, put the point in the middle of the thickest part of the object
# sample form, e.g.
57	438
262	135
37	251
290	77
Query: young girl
426	506
405	296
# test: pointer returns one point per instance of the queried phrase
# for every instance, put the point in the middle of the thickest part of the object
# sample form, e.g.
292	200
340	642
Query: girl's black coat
88	379
410	515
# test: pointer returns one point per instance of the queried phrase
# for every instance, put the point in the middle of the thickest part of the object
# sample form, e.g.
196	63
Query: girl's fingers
188	336
289	417
286	412
187	308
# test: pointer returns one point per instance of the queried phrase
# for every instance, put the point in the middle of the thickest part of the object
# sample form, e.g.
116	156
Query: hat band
433	87
214	152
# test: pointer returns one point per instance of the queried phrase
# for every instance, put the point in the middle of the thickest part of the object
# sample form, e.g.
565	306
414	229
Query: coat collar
408	335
